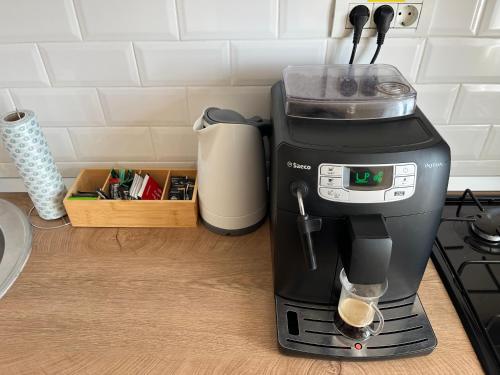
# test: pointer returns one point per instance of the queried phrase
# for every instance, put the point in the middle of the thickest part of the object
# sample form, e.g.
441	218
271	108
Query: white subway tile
6	106
60	144
466	142
4	156
31	21
7	170
492	147
16	185
475	168
294	23
461	60
436	101
112	144
73	169
6	103
21	66
249	101
127	19
61	106
452	17
175	143
228	19
404	53
477	104
262	62
90	64
144	106
490	23
183	63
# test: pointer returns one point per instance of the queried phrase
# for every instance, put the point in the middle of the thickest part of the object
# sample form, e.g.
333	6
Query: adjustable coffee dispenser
358	182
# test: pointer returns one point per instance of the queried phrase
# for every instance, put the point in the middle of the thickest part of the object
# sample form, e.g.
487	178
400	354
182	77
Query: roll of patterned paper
25	143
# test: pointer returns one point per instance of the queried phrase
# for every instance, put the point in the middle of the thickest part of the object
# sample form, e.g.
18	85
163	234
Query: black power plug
382	17
358	17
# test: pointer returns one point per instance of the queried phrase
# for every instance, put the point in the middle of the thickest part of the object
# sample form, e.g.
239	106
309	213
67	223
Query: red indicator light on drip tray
358	346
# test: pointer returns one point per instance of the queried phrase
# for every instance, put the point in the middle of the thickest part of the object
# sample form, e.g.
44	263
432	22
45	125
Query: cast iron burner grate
309	328
484	226
467	257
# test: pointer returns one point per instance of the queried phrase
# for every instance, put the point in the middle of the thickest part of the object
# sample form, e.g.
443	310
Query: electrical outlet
348	24
378	5
407	15
407	20
372	7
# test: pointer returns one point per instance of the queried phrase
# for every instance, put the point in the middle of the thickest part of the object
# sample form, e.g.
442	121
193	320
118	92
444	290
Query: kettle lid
225	116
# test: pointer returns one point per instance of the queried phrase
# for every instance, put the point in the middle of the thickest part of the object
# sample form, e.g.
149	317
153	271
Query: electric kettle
232	187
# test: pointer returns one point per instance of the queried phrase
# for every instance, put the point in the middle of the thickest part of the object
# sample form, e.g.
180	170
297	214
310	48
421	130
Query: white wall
121	81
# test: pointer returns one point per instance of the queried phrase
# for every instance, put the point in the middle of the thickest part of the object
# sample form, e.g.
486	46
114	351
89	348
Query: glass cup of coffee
357	309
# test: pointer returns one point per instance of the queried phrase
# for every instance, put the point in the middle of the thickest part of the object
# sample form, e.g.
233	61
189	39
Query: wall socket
411	17
407	15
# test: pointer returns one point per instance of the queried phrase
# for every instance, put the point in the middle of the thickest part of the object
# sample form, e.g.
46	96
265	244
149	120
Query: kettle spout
198	125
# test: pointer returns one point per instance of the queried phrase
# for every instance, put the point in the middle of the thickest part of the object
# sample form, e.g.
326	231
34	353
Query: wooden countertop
162	301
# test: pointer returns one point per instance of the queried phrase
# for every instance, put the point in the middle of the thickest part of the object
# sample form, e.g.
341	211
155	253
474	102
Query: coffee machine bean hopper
358	181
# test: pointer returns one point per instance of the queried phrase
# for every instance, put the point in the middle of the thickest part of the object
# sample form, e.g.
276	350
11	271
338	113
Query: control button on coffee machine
405	170
331	170
404	181
398	194
331	181
334	194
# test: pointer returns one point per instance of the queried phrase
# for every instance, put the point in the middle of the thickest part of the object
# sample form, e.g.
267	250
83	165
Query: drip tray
305	328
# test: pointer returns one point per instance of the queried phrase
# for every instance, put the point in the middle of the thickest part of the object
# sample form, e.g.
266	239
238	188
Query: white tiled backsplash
121	81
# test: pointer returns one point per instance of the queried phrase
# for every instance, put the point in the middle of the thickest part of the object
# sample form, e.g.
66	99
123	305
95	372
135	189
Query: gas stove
466	254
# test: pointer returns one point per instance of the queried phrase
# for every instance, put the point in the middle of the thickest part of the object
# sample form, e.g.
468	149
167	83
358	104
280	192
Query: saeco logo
291	164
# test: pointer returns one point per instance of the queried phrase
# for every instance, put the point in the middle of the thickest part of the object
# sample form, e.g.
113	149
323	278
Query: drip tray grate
305	328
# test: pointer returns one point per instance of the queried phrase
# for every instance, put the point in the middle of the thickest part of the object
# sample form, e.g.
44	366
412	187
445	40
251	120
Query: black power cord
358	17
382	17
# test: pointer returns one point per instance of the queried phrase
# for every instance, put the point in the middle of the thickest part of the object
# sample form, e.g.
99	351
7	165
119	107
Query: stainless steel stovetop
15	244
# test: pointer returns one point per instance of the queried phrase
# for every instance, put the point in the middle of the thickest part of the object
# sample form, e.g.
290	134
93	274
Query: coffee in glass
357	309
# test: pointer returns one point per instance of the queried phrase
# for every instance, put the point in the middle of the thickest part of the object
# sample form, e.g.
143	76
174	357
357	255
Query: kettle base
234	232
308	329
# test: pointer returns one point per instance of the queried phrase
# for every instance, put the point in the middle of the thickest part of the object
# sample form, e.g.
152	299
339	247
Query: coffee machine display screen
370	178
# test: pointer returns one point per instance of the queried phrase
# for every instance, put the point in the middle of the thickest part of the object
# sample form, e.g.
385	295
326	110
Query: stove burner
481	245
487	225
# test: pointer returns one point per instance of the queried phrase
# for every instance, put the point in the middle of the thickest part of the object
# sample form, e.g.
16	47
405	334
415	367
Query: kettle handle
265	126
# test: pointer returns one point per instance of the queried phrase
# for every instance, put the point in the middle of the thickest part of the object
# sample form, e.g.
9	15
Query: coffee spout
367	252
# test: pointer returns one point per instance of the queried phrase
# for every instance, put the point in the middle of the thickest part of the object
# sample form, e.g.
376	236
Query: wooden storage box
131	213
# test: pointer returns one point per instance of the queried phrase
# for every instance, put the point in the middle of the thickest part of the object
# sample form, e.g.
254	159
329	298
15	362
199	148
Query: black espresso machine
350	144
